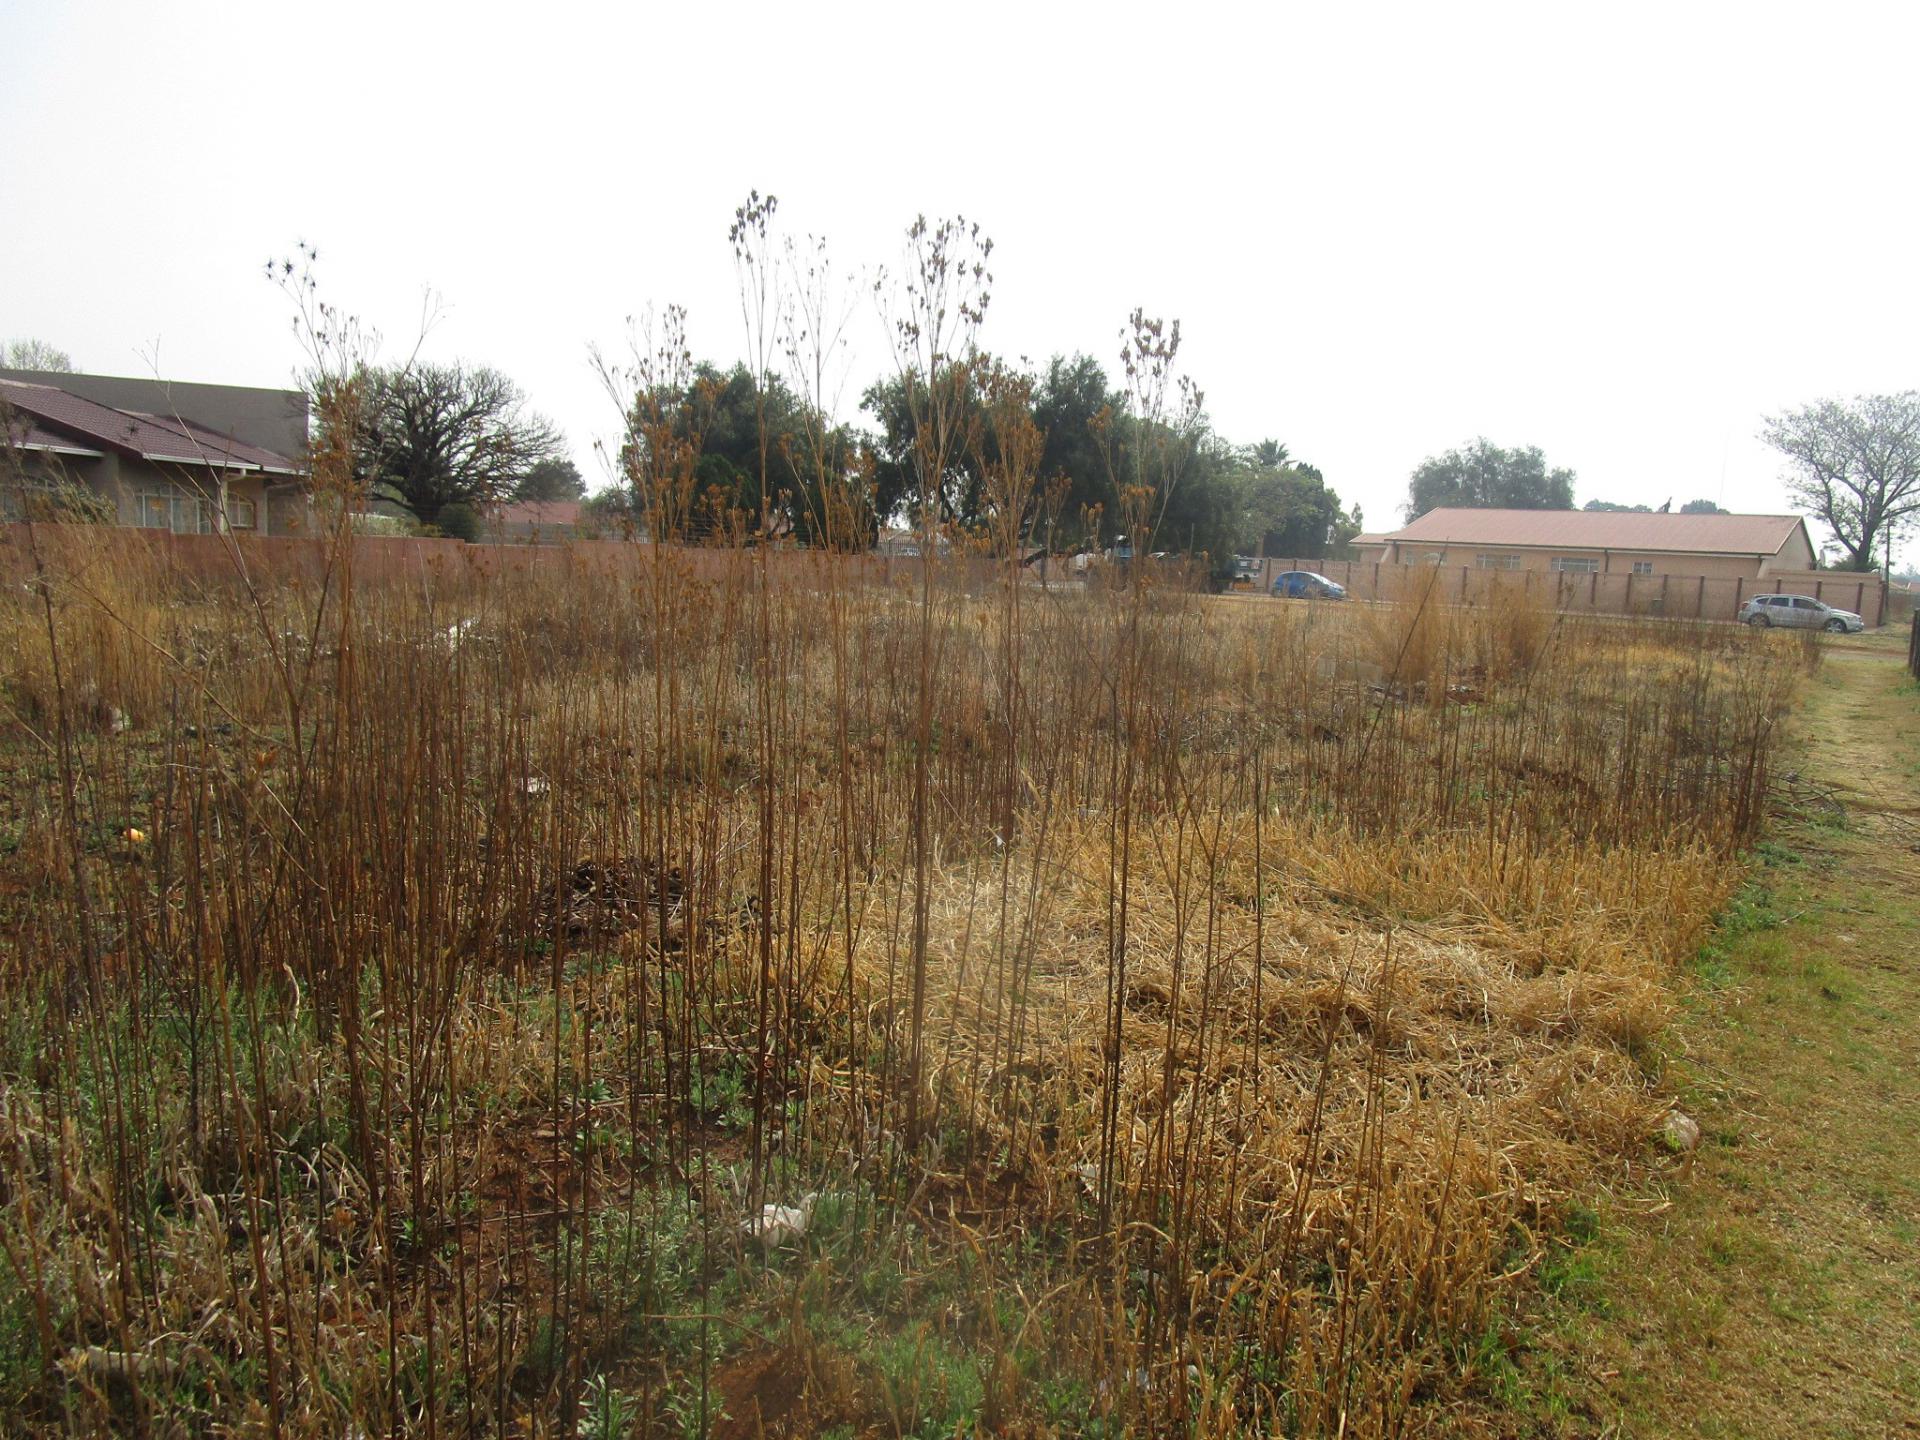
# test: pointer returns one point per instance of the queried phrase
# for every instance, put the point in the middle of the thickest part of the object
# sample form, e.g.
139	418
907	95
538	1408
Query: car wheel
1836	627
1759	620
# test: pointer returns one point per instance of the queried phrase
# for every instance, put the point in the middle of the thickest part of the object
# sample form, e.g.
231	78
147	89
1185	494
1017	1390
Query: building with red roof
188	458
1597	542
535	522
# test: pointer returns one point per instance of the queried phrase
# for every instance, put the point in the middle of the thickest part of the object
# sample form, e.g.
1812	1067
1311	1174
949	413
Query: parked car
1801	612
1307	585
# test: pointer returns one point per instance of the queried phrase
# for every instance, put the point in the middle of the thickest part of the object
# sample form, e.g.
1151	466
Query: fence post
1913	645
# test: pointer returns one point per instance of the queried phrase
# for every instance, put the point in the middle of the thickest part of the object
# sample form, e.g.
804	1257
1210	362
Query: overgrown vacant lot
735	994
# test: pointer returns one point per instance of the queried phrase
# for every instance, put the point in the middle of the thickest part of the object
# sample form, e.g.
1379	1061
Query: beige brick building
1598	542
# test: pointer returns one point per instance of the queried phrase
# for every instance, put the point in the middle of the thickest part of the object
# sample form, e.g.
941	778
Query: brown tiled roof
1602	530
30	436
537	512
148	436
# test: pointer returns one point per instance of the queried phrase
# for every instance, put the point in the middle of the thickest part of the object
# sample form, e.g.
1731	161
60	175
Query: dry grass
1284	972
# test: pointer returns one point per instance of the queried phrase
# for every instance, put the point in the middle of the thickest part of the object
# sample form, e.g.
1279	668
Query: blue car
1306	585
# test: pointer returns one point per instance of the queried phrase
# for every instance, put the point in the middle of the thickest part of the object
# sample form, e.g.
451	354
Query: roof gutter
79	451
215	463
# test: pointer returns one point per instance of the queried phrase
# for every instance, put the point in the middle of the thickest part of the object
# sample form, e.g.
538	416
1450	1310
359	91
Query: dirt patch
774	1393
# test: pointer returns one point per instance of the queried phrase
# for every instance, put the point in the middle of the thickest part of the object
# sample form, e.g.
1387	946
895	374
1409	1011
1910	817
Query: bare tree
432	436
33	354
1855	465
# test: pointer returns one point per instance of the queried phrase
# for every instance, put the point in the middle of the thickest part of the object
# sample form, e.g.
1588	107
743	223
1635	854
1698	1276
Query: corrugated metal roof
1602	530
148	436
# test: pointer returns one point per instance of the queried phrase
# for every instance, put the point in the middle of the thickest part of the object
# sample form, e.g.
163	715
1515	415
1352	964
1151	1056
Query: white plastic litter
777	1225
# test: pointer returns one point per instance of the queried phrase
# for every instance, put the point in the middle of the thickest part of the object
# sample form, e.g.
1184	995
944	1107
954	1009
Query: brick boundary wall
216	560
1676	597
378	559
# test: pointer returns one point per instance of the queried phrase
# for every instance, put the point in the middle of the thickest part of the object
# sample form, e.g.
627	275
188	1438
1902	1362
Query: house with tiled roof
183	457
534	522
1597	542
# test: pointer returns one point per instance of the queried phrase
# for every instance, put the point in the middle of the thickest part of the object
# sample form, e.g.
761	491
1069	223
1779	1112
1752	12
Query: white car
1801	612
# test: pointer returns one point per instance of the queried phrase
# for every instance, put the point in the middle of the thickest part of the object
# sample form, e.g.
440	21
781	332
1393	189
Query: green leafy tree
609	512
1855	465
1615	508
550	480
1200	513
1072	402
1482	475
1701	507
959	497
726	414
1287	507
430	436
460	521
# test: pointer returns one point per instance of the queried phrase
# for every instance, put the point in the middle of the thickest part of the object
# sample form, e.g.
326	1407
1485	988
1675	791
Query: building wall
129	483
1795	555
124	483
1539	559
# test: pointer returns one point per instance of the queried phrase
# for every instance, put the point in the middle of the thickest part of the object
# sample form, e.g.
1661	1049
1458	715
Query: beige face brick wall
1680	595
1611	562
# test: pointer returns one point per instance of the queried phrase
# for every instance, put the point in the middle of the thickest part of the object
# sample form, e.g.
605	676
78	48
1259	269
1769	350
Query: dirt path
1775	1290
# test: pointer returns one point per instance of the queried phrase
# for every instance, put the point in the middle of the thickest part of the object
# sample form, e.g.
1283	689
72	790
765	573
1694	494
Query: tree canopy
1692	507
1287	507
718	417
1218	497
430	436
1855	465
1482	475
1065	422
554	479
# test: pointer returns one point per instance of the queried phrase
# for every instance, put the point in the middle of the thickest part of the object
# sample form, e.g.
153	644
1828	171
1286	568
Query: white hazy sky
1620	232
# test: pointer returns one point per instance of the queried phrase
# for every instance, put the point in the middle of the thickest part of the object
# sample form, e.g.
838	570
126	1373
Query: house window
1575	564
172	510
1424	557
1643	567
1497	562
240	515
